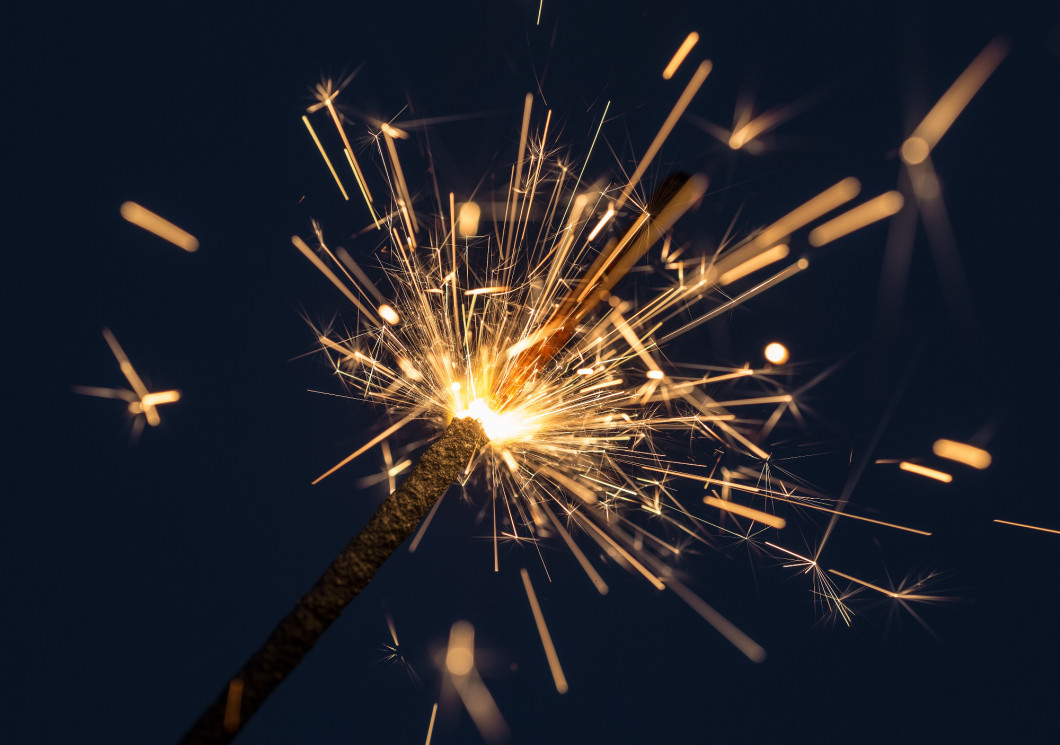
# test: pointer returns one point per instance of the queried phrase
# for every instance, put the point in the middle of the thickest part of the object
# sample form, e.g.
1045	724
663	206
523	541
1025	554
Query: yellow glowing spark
368	446
1024	525
683	101
127	369
961	452
323	269
756	127
776	353
585	371
328	102
467	219
879	208
753	264
162	397
825	202
232	705
600	225
486	290
655	374
434	711
460	658
327	160
927	134
749	512
680	54
882	591
388	314
930	473
144	218
546	639
605	384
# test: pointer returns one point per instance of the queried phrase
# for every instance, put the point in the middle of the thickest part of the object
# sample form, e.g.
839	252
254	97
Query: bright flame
500	426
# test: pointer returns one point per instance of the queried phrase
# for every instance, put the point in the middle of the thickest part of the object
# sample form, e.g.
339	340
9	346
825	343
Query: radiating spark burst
577	395
140	401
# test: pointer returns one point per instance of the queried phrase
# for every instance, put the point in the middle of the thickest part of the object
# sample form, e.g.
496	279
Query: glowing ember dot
467	219
455	387
585	371
776	353
655	374
388	314
460	658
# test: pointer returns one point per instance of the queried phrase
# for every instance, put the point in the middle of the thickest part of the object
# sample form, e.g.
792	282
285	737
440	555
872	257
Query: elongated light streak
683	101
546	639
874	210
323	269
961	452
370	444
882	591
327	160
930	473
944	113
749	512
680	54
1024	525
144	218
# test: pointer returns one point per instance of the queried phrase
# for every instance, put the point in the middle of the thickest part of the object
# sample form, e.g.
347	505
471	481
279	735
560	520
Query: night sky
137	578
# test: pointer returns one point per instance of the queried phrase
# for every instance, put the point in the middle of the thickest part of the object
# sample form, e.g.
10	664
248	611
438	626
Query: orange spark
327	160
1031	527
546	639
930	473
680	54
879	208
144	218
961	452
749	512
927	134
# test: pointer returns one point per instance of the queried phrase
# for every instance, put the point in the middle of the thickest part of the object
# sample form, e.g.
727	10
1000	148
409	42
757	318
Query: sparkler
520	342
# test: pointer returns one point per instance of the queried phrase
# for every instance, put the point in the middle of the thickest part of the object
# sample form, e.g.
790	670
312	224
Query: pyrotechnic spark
163	228
577	395
930	473
139	399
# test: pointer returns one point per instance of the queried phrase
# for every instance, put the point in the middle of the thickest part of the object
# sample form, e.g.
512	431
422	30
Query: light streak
144	218
754	263
430	727
679	56
546	639
750	513
944	113
1030	527
139	399
930	473
889	593
961	452
327	160
874	210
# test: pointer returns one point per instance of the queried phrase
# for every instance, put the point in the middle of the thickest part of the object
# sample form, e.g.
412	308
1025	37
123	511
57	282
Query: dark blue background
136	579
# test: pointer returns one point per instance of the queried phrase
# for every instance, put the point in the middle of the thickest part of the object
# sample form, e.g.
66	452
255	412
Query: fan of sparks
517	317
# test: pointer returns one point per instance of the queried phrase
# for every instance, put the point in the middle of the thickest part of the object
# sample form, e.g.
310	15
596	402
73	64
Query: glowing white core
499	427
776	353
